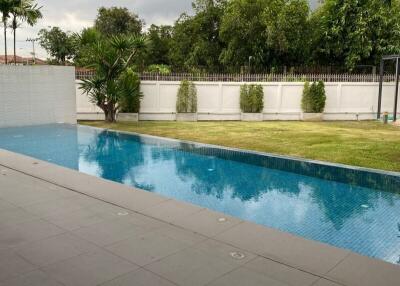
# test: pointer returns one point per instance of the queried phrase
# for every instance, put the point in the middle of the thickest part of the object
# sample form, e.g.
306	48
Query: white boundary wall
220	101
32	95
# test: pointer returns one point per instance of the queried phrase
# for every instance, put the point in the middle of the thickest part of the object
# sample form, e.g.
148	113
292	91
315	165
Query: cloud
74	15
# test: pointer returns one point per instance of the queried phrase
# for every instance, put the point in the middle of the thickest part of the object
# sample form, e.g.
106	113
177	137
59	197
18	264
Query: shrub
251	98
160	69
130	94
314	97
186	101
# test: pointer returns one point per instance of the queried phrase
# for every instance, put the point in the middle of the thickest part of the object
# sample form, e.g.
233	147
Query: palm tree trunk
15	47
5	40
109	113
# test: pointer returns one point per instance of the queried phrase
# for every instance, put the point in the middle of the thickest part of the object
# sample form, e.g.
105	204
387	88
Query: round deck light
122	213
237	255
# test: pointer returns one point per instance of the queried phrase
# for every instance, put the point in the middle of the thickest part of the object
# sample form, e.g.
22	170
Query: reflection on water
359	219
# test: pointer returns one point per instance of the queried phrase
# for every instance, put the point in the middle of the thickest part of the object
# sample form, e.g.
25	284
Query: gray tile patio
61	227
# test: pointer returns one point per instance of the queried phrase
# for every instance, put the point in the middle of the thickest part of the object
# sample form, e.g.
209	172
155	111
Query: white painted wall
220	101
32	95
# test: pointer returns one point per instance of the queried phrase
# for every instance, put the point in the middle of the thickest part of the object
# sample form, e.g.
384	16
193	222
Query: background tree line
243	35
13	14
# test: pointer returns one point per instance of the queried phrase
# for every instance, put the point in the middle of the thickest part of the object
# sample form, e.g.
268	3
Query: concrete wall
220	101
32	95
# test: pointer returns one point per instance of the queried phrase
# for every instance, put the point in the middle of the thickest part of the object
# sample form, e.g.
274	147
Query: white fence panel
230	94
167	97
282	100
272	98
291	97
151	98
208	97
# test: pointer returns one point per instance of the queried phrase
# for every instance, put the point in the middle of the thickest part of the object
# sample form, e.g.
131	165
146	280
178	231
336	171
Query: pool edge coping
34	167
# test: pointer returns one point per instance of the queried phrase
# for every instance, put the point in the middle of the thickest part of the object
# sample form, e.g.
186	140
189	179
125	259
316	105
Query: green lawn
366	144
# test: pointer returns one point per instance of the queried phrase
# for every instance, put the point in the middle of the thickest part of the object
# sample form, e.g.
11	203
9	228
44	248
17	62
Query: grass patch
366	144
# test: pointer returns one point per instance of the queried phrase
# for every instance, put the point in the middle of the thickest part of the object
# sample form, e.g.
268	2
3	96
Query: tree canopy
159	45
116	20
259	35
59	44
196	43
350	32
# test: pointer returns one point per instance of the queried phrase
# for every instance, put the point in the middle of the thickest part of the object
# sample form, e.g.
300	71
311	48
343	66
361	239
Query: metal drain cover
122	213
222	219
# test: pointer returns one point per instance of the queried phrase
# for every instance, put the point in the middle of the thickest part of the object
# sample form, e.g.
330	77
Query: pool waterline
361	219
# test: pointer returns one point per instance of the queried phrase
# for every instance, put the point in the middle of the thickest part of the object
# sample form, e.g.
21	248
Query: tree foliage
58	44
196	42
116	21
159	38
6	8
244	33
350	32
25	11
260	35
160	69
83	43
287	30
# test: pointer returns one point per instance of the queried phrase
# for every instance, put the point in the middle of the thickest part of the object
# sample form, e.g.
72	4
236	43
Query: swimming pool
350	208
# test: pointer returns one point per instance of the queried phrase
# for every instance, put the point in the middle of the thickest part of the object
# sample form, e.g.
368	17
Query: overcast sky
73	15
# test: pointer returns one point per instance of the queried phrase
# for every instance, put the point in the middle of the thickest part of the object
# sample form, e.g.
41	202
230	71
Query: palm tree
114	81
27	11
6	6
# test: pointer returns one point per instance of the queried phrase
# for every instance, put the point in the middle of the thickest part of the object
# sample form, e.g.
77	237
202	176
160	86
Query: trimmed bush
252	98
314	97
130	94
186	101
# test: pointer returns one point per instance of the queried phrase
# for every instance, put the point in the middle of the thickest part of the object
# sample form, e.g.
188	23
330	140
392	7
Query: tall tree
243	31
350	32
287	31
116	21
6	7
59	44
196	41
159	45
26	11
182	42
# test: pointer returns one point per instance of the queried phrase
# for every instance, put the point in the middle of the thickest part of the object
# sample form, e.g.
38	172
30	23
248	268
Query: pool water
364	220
